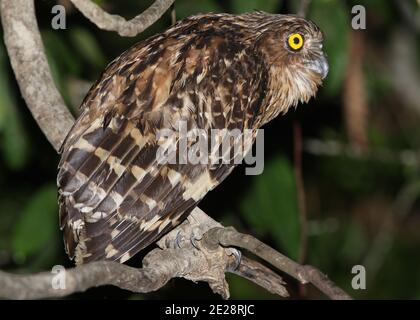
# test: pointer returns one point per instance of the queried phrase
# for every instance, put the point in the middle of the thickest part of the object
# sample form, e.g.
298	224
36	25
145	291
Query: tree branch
303	7
79	279
261	276
33	74
229	237
410	14
159	267
334	148
110	22
209	263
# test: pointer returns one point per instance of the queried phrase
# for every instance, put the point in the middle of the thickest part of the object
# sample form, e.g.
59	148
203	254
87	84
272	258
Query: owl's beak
319	66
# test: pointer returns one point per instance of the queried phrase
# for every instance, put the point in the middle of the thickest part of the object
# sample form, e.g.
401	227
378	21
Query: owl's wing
115	196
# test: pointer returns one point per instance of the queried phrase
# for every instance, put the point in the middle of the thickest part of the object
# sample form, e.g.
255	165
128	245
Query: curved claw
238	258
194	240
179	239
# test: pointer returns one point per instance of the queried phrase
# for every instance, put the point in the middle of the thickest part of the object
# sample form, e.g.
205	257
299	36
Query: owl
211	71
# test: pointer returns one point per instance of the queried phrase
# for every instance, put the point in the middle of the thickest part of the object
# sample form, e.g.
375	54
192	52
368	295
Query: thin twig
300	187
173	14
323	283
354	97
303	7
262	276
335	148
301	197
410	14
130	28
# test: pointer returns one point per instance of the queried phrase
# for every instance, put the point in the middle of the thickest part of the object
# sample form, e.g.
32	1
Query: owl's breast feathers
115	197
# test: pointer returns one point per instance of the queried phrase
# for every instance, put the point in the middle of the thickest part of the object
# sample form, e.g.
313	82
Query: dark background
361	155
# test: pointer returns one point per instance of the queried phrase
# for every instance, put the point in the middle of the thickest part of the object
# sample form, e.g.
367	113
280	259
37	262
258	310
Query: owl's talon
179	239
238	258
194	242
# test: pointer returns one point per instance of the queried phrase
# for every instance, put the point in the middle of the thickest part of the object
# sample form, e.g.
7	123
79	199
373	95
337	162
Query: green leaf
37	224
240	6
15	144
271	206
9	204
354	243
63	61
88	47
58	50
333	19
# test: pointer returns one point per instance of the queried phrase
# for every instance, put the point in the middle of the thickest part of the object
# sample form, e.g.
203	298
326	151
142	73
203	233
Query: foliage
36	226
15	146
271	206
333	19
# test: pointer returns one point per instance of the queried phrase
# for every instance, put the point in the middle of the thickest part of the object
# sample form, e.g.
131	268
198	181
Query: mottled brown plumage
211	71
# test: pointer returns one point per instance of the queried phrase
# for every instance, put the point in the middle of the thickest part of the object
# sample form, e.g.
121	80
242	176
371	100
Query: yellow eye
295	41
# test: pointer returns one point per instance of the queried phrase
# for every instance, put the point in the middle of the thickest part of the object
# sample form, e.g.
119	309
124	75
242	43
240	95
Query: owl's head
293	50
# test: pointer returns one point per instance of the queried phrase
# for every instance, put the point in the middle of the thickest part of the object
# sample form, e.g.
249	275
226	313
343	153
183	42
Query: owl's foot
180	239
